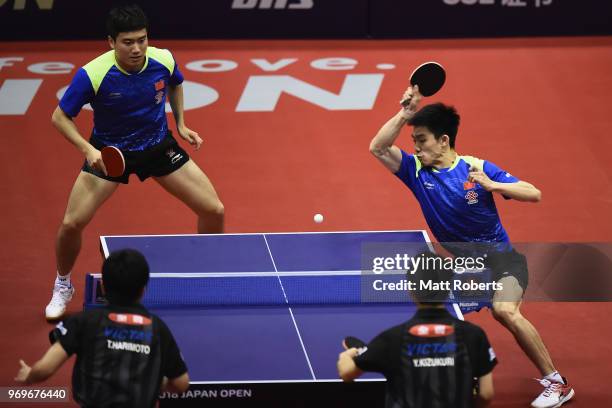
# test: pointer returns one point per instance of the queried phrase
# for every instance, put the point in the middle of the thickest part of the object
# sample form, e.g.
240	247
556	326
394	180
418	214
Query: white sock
63	280
555	376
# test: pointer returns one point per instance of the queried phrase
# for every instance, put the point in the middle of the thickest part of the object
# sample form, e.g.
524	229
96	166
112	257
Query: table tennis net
295	288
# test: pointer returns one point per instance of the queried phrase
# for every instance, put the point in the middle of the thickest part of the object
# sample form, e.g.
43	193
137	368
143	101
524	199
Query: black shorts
160	160
511	263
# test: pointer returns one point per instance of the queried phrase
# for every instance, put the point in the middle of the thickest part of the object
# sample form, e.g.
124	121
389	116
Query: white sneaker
57	306
554	395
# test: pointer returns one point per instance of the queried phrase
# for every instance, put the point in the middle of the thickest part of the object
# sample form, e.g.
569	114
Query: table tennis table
262	316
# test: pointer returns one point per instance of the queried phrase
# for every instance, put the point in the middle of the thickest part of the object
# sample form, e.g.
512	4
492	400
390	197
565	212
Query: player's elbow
55	116
485	391
375	149
528	192
534	196
179	384
484	398
487	395
58	117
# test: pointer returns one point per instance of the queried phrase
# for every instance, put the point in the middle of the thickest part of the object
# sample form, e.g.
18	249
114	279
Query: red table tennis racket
429	76
113	161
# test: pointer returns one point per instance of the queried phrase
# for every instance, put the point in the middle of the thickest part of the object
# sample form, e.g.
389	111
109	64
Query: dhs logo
268	4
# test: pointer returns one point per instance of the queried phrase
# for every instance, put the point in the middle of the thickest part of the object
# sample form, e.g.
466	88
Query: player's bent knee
73	224
219	209
506	314
216	209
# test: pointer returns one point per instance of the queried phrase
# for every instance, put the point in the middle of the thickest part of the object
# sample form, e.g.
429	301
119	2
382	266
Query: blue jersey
456	210
129	108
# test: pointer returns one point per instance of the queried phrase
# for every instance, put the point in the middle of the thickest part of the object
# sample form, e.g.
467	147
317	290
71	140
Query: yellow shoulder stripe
162	56
418	164
474	161
99	67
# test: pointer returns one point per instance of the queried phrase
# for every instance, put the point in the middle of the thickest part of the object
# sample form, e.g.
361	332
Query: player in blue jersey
456	195
127	88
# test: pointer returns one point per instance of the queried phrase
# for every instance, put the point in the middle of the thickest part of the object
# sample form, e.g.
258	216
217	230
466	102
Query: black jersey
122	354
430	361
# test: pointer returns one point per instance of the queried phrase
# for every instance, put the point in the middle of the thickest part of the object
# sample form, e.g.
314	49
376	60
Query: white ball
318	218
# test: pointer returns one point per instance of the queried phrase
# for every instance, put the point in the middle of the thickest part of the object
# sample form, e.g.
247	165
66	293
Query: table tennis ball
318	218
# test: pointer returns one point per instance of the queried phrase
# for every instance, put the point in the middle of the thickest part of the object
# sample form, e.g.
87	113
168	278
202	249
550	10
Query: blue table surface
252	344
268	343
261	252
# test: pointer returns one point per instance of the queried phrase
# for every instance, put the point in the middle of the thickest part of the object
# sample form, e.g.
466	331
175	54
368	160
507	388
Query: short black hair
440	119
125	274
430	268
124	19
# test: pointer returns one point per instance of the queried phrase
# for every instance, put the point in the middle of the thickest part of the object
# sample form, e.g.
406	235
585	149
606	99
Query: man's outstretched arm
43	368
381	145
520	191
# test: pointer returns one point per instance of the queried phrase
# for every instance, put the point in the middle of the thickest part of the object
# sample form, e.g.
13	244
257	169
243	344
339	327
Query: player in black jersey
431	360
124	353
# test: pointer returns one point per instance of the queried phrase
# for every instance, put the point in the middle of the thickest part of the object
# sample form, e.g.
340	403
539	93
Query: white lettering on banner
20	4
8	61
303	4
196	96
334	64
52	68
262	93
210	393
16	95
268	4
266	65
211	65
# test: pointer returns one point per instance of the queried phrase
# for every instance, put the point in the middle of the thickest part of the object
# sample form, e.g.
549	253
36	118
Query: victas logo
426	349
272	4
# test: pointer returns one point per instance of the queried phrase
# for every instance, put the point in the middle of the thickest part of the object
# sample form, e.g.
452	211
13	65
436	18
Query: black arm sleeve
69	333
485	359
173	364
379	355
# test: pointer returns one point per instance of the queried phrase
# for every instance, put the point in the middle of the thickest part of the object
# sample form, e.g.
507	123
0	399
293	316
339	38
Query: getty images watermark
389	272
406	265
475	272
